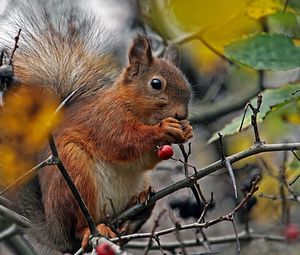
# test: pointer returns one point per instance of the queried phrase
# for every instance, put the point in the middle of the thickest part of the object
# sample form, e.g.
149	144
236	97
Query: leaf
284	23
220	22
25	123
271	98
295	4
265	52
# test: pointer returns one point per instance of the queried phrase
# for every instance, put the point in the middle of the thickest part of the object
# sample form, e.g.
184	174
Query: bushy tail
61	48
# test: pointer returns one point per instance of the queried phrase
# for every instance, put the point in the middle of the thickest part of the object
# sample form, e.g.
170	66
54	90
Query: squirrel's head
158	88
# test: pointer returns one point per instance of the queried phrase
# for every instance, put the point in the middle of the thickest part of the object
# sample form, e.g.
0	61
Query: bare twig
242	236
227	165
21	245
186	156
177	233
244	115
254	118
297	177
185	164
16	46
1	57
285	5
255	111
14	217
6	202
221	146
47	162
214	50
238	246
197	225
198	35
156	224
294	180
205	241
281	181
278	197
296	156
9	232
195	188
206	206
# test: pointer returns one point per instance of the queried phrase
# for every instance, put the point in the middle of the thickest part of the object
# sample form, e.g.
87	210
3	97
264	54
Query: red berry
105	249
165	152
291	232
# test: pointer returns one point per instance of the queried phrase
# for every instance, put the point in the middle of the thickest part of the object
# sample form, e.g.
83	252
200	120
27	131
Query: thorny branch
187	182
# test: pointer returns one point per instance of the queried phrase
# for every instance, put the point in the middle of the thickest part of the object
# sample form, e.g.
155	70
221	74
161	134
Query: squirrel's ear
172	55
140	52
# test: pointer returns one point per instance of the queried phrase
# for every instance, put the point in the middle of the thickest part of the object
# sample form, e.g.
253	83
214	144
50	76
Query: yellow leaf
25	123
219	22
257	9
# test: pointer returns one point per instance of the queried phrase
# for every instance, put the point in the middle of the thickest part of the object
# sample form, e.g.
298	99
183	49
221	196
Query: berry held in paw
165	152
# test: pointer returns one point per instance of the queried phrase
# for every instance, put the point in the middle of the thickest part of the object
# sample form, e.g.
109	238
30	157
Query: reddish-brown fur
116	129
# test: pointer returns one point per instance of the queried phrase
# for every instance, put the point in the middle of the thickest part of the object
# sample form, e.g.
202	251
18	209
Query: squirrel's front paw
103	230
175	131
187	129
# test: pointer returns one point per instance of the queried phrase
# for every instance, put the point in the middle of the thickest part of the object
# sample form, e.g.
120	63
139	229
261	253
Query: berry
291	232
105	249
165	152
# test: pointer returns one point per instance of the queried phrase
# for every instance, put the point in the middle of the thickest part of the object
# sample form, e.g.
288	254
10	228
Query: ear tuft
172	55
140	51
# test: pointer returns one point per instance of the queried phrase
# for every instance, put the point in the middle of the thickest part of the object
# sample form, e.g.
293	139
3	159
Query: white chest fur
118	183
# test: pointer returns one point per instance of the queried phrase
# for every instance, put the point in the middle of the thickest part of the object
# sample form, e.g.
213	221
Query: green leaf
265	52
271	98
295	4
284	23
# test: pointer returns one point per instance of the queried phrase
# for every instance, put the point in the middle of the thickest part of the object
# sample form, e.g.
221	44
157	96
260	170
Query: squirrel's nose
180	116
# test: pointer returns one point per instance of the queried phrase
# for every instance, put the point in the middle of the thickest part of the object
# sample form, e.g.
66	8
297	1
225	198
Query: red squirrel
110	132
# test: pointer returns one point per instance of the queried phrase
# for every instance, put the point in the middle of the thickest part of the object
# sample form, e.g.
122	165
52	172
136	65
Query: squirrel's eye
156	83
